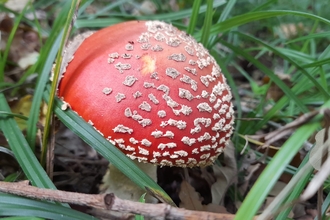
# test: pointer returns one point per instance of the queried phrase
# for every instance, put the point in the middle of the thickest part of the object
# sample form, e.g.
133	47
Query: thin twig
109	202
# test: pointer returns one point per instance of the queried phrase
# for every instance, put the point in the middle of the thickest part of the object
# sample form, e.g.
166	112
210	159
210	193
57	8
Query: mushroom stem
114	181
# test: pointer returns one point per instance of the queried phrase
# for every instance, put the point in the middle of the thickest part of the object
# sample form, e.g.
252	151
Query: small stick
109	202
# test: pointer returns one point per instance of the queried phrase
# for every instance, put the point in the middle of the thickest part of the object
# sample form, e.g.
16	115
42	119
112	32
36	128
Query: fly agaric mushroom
152	91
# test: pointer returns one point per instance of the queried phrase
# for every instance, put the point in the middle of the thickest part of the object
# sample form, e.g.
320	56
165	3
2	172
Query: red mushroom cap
152	91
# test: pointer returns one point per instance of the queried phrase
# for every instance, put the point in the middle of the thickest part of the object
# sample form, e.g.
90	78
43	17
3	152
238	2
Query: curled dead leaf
190	199
225	175
320	149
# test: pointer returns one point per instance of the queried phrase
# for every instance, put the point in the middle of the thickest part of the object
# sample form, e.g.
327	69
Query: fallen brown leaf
225	175
190	199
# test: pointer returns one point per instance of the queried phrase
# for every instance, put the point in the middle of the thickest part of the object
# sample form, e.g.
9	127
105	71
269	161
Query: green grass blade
317	63
98	22
323	35
47	57
226	11
300	87
11	205
251	128
4	57
325	205
274	169
299	67
169	17
269	73
37	97
14	115
301	177
23	153
310	43
65	36
264	5
107	9
256	16
22	218
106	149
297	55
194	16
224	15
207	23
142	200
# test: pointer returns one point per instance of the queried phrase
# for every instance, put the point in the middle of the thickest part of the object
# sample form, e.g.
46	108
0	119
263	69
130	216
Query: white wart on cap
153	92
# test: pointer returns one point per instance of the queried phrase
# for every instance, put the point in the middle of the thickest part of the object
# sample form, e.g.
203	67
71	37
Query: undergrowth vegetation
274	54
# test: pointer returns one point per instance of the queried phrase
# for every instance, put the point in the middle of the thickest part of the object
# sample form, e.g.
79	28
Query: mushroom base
114	181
